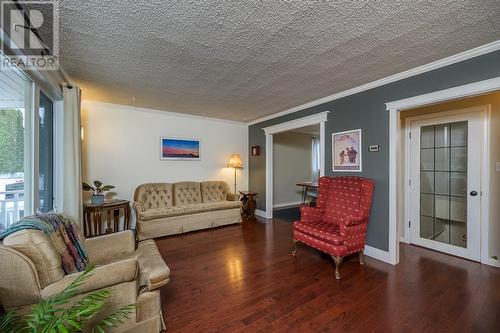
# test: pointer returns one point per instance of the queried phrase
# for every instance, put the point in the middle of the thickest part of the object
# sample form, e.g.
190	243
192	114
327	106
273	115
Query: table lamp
236	163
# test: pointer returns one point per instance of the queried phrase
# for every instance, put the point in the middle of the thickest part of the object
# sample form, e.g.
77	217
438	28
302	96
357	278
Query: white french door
445	184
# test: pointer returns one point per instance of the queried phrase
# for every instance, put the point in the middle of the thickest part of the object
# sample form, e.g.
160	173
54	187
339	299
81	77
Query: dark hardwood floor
242	278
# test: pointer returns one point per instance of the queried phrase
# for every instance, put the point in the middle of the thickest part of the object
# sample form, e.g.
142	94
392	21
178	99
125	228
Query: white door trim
452	116
318	118
394	108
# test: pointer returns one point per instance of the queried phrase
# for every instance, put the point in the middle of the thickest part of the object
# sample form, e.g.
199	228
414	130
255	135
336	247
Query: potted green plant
54	314
97	191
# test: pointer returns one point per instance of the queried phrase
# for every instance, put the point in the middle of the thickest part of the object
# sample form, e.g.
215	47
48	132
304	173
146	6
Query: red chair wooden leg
294	251
338	262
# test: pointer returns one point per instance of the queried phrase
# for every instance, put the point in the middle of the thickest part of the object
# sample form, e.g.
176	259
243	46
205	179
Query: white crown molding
167	113
467	90
484	49
297	123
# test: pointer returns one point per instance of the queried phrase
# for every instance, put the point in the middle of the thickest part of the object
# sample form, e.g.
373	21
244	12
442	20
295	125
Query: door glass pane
427	137
443	183
427	159
427	205
426	227
442	230
458	184
426	182
459	159
442	159
46	154
442	207
442	133
459	134
14	88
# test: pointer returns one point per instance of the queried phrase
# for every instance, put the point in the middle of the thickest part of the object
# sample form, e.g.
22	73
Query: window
14	145
316	159
26	148
45	154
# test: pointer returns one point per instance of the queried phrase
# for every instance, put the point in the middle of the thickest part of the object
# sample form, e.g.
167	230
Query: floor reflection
234	266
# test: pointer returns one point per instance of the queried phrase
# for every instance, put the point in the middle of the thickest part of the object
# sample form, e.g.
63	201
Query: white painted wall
292	164
121	146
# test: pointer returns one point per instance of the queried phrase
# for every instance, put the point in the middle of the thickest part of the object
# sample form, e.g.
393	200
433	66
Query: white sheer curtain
315	159
70	202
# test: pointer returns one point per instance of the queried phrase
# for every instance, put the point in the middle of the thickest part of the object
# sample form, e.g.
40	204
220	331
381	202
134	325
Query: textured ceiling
242	60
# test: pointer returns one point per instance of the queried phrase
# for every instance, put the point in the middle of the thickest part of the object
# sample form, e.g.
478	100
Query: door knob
473	193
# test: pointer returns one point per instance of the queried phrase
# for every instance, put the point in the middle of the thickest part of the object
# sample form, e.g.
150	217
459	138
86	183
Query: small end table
249	204
306	186
92	217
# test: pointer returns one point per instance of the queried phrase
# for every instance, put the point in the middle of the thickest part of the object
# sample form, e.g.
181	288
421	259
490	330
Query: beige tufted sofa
31	271
166	209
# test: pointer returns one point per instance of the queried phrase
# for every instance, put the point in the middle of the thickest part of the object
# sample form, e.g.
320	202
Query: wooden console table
249	204
92	217
305	189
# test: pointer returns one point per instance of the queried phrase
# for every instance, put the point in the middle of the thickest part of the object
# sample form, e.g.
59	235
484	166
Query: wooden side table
306	186
92	217
249	204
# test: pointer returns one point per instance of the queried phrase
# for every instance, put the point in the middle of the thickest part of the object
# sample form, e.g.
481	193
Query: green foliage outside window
11	141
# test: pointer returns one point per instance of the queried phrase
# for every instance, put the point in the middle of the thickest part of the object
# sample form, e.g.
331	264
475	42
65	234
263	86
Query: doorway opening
319	120
444	159
450	177
296	164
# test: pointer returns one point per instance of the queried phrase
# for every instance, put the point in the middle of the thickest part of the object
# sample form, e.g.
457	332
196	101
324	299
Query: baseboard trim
287	204
402	239
260	213
377	254
491	262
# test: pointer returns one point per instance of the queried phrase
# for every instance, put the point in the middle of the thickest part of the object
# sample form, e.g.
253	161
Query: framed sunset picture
346	151
179	149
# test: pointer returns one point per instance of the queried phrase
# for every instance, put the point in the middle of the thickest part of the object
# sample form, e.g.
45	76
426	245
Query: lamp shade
235	161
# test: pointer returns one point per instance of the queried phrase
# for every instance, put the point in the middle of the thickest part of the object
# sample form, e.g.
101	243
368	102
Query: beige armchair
30	270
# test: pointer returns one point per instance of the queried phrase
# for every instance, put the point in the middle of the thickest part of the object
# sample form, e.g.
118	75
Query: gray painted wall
366	110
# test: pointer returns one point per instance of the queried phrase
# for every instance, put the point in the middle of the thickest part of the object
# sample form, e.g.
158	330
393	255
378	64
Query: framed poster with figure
346	151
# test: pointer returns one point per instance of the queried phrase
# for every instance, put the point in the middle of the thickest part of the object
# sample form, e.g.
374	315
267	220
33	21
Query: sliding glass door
26	148
15	146
45	154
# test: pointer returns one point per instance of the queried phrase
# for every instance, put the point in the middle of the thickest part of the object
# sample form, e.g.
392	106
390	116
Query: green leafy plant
98	188
54	316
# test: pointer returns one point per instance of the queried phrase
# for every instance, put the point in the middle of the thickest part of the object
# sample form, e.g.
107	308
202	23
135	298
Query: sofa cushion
103	276
213	191
187	193
153	214
155	195
39	249
325	232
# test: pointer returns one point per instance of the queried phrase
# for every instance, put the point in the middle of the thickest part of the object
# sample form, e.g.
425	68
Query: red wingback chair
337	225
